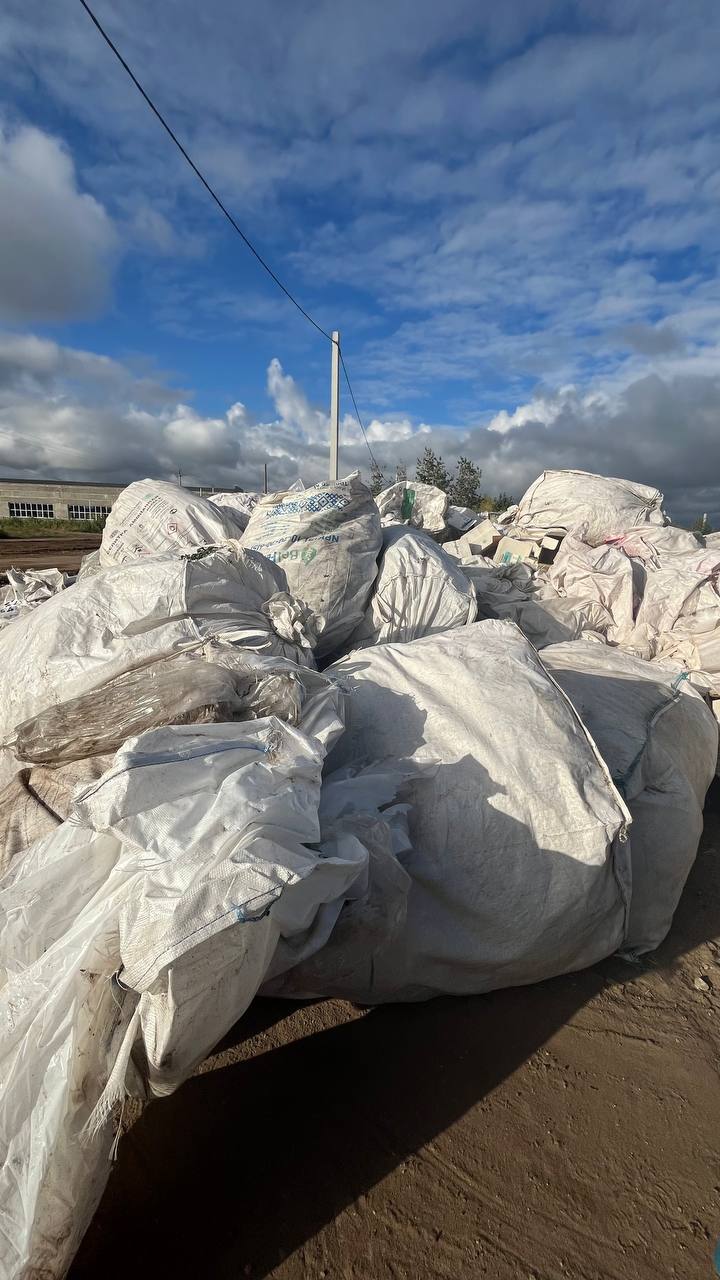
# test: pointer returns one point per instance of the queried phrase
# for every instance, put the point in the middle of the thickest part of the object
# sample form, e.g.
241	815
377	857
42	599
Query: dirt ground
567	1131
64	552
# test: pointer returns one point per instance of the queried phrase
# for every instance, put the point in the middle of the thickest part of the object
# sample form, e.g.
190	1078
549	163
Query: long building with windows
63	499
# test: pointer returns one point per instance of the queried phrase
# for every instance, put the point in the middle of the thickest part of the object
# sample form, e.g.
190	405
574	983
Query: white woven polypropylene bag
518	871
327	539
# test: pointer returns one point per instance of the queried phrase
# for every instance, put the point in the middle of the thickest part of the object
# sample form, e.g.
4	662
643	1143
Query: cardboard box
513	550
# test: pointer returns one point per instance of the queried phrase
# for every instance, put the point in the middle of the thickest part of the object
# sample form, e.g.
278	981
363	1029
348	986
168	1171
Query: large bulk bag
154	517
419	590
559	500
180	871
659	740
327	539
411	502
126	616
518	865
241	504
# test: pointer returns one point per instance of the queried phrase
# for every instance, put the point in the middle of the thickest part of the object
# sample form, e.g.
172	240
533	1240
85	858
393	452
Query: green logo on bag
408	503
308	554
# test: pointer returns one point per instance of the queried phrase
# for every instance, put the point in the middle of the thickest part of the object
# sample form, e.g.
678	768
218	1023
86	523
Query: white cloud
56	242
54	400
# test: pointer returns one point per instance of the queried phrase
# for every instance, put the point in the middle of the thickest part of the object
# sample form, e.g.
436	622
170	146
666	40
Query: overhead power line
246	241
357	411
199	175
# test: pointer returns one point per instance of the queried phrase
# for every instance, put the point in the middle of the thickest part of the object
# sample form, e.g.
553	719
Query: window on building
31	510
77	511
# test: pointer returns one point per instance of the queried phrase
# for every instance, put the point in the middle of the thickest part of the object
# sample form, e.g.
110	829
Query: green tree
702	525
465	485
431	469
377	478
400	473
502	501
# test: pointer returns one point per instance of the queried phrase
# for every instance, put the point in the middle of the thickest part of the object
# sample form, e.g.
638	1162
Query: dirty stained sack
659	740
327	539
518	866
37	800
419	590
180	870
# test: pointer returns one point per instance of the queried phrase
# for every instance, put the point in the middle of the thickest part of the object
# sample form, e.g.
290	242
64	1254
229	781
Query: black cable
227	214
357	411
198	174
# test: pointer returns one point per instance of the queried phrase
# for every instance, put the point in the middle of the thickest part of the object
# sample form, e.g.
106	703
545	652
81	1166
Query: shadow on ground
248	1161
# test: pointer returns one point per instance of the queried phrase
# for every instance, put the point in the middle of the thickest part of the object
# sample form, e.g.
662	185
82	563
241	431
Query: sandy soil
567	1131
64	552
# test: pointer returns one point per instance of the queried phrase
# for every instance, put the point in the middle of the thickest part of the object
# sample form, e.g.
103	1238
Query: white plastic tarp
559	500
518	866
659	740
327	539
419	590
154	517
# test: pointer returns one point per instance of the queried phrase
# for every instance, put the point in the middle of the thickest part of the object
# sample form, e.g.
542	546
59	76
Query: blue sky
511	213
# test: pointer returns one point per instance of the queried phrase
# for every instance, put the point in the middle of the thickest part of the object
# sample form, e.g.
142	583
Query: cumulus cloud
70	413
56	242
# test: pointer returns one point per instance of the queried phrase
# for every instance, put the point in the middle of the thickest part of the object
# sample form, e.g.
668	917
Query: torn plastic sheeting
680	599
515	593
242	505
597	578
660	743
110	623
351	960
28	588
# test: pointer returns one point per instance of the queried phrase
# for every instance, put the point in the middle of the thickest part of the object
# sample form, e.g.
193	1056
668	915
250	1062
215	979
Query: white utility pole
334	404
